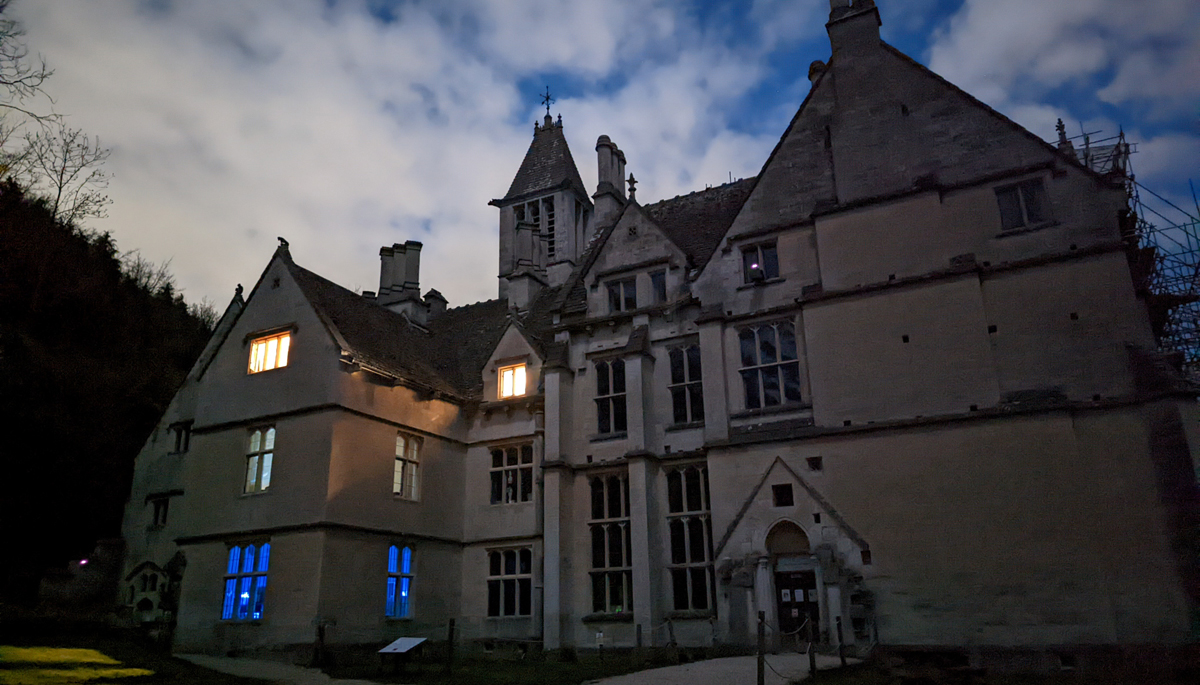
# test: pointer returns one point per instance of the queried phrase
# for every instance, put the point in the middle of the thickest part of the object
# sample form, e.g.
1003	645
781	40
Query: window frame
684	386
658	286
181	434
161	507
401	576
756	254
610	395
524	378
610	580
280	353
513	471
406	471
1022	191
239	605
621	292
260	459
506	588
691	572
760	369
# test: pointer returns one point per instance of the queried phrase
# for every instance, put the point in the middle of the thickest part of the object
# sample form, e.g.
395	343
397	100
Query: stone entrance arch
795	579
786	538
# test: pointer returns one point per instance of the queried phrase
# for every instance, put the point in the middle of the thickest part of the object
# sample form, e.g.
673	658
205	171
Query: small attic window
270	352
512	381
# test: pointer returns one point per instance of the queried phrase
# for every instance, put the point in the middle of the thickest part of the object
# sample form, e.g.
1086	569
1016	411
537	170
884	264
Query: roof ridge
700	192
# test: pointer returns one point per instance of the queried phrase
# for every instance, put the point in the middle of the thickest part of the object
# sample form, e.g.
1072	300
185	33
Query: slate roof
548	165
449	357
695	222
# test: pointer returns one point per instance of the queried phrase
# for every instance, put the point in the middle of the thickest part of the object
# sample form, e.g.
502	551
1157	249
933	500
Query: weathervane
547	100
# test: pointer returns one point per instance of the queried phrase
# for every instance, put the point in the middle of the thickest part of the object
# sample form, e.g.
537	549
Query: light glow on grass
53	655
57	676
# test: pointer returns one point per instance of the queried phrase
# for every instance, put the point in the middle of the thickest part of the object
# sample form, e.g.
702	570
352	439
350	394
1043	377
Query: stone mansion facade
903	381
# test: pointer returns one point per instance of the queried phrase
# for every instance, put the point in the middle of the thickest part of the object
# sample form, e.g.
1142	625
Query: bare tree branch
63	165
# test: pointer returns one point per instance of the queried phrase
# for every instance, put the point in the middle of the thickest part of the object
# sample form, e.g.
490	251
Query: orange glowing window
270	352
512	381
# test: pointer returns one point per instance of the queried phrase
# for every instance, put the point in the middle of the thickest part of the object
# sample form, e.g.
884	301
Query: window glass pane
526	561
676	359
272	348
248	559
399	445
493	598
770	261
525	604
264	558
749	262
674	492
628	546
519	380
696	546
691	482
269	442
599	603
618	409
510	597
497	487
260	591
750	385
618	376
614	297
410	474
251	473
497	458
1010	209
406	560
614	497
402	601
285	343
678	542
390	607
787	341
506	383
234	556
679	404
630	288
243	600
597	498
602	377
266	471
494	563
393	557
696	391
414	449
693	363
791	381
603	416
598	547
679	588
230	595
658	283
746	343
1034	197
255	441
511	456
398	477
616	556
766	344
526	484
510	562
616	592
770	381
699	587
527	454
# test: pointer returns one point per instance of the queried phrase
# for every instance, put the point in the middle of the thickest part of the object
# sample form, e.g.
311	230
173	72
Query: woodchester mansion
902	387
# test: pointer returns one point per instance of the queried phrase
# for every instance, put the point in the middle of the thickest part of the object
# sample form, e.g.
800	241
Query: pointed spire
632	188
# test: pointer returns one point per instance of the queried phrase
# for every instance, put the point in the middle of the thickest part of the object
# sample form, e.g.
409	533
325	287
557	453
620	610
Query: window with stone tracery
690	532
612	560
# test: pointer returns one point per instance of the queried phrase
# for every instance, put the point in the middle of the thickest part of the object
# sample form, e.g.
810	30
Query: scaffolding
1164	247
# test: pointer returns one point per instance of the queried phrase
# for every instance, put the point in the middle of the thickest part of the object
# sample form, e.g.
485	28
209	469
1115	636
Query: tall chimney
412	269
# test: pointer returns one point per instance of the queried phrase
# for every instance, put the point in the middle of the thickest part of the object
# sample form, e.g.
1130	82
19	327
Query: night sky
345	126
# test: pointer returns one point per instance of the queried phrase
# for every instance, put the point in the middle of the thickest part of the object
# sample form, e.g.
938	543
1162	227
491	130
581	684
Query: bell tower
545	217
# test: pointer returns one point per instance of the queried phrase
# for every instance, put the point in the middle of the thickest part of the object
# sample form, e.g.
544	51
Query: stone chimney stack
852	26
610	186
399	280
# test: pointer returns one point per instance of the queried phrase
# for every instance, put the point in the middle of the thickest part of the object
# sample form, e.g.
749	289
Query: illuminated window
399	582
408	459
512	381
270	352
759	263
246	582
259	455
510	582
512	474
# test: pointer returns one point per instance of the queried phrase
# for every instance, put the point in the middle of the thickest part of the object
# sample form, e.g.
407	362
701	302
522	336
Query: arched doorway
796	591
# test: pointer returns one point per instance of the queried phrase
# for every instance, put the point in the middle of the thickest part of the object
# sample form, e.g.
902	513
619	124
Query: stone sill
684	426
619	617
760	284
609	436
772	411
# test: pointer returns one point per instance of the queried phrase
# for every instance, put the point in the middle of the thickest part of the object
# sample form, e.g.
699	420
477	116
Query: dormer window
270	352
759	263
512	381
622	295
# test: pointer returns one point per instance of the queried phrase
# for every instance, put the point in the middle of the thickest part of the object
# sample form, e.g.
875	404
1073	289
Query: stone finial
237	292
815	70
282	242
632	187
1063	144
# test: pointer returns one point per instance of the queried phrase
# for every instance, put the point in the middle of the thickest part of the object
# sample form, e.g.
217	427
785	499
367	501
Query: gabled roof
547	166
696	222
448	357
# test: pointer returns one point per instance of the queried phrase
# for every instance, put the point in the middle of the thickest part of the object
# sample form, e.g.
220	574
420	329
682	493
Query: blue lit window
246	582
399	582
